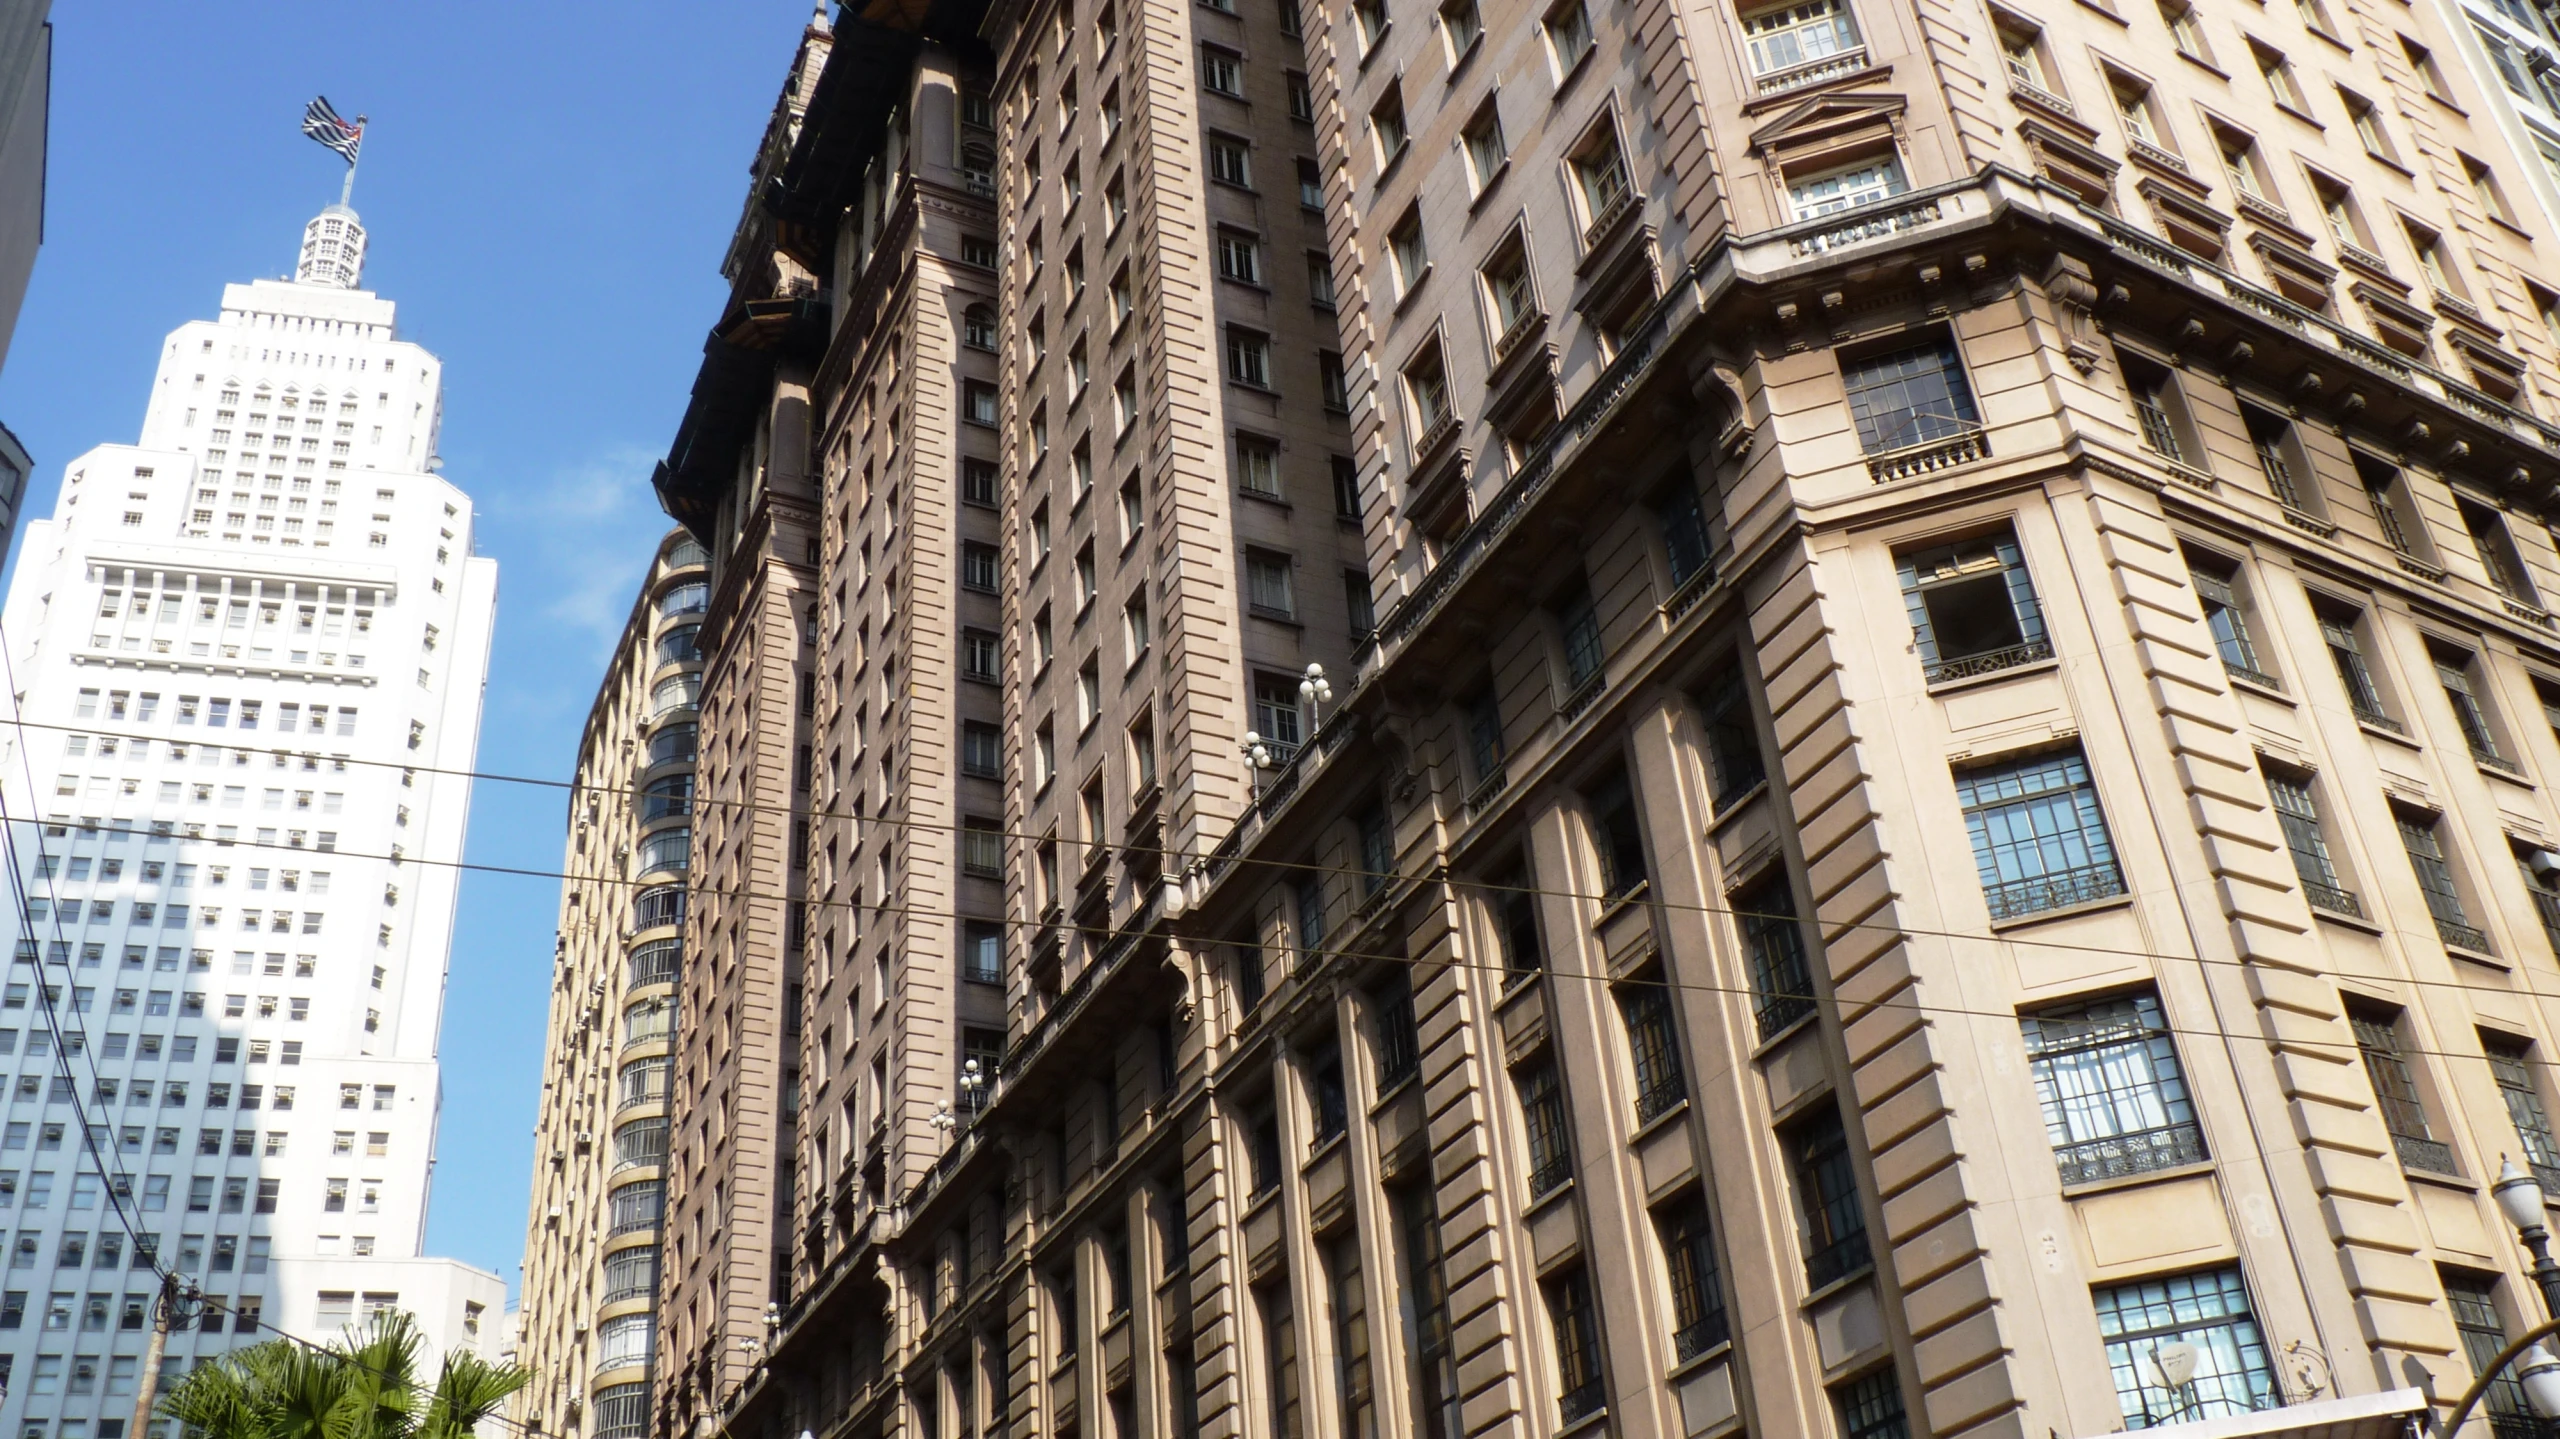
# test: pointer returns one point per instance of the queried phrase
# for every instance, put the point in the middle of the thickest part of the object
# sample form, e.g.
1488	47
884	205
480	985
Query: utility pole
175	1305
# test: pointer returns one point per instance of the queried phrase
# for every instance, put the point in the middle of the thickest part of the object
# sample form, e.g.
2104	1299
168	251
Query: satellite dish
2175	1363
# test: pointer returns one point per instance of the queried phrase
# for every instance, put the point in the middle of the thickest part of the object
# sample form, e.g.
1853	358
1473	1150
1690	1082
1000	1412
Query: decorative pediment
1828	121
2191	223
2064	156
2303	277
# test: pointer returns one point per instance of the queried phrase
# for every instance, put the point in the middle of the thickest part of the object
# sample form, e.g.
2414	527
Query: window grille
2115	1102
1835	1226
1870	1406
2209	1310
2435	880
2039	840
1781	985
2395	1089
2299	816
1542	1115
1697	1287
2511	1062
1653	1043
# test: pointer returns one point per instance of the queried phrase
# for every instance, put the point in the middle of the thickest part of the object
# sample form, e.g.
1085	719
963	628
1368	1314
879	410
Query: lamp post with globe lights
2520	1200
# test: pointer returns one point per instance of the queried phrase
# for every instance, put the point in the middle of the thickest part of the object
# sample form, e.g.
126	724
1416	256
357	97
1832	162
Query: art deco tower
247	655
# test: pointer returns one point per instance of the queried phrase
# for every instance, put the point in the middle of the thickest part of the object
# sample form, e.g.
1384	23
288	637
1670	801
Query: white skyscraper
248	653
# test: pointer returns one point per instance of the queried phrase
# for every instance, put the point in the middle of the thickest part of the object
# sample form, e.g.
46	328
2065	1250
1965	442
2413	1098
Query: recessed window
1387	128
2281	458
980	655
1369	18
2217	584
1507	292
1735	763
1249	357
1275	710
981	750
1542	1113
2341	629
2206	1312
2039	840
2278	73
2458	670
2486	189
2022	54
1346	488
2368	122
1426	389
1862	182
1115	193
2139	112
2306	838
1230	161
1302	100
1258	466
1773	938
1973	608
2315	16
1600	180
2430	74
1568	28
2159	409
978	327
1124	401
978	403
1332	383
2246	169
2115	1101
2421	836
1319	280
2387	491
978	567
1483	139
2442	280
2186	30
1912	396
1267	588
1405	248
1460	27
2384	1050
1830	1219
1239	257
2496	546
1310	185
1221	71
1792	44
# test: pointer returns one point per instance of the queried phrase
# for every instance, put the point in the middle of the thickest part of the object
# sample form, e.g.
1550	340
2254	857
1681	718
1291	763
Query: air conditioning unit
586	1137
555	1213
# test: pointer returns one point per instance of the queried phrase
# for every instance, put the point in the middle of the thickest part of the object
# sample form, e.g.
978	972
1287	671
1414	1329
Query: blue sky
548	188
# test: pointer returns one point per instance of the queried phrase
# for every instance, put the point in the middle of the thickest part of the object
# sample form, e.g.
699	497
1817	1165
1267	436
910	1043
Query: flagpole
346	192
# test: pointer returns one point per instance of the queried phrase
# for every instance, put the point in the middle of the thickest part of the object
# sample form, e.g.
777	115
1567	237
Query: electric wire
1307	868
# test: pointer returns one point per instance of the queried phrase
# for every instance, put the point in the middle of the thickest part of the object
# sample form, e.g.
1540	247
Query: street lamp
973	1084
1317	691
2520	1199
943	1119
1258	755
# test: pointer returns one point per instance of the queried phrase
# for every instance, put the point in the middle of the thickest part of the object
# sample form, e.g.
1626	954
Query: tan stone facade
1952	786
587	1317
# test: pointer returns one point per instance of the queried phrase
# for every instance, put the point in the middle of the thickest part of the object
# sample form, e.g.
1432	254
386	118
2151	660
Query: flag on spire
321	123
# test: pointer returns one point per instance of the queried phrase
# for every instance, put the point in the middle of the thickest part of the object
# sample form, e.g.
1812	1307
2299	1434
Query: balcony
1620	206
2430	1156
2060	890
1929	457
2260	678
1841	1257
2120	1155
1490	788
1990	662
2457	935
1812	72
1869	222
2333	899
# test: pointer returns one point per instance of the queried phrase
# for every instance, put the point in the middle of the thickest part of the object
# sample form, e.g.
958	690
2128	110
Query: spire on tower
332	250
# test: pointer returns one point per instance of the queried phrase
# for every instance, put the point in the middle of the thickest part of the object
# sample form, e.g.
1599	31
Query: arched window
978	328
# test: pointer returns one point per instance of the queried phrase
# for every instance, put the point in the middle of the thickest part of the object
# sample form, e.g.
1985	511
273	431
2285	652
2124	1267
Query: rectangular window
2114	1100
1797	43
1542	1117
978	567
1912	396
2395	1089
2208	1311
1827	1207
1239	257
1424	1308
1249	357
2280	457
1280	1361
2511	1063
979	654
1276	720
1653	1045
1399	1051
1578	626
2039	840
2228	618
1568	28
2473	1297
2496	546
2456	669
1781	986
2384	491
1221	71
1617	832
1307	901
1486	152
1354	1382
1258	466
982	952
1515	914
2418	836
2298	813
2346	654
981	750
1973	608
1846	187
1580	1378
1734	757
1697	1282
1267	590
1870	1406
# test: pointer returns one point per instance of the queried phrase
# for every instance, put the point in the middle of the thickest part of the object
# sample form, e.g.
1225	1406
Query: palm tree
363	1386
